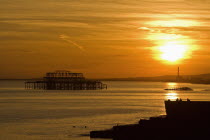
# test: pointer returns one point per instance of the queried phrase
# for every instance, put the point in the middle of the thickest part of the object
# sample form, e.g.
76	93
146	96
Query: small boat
179	88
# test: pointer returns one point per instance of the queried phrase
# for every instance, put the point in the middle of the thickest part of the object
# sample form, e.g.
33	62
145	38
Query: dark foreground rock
169	127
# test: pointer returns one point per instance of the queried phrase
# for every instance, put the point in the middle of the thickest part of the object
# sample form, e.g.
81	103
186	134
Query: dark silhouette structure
179	88
188	110
178	78
185	120
65	80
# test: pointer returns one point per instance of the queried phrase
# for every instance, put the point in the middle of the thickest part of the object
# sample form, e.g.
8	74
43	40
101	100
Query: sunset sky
104	38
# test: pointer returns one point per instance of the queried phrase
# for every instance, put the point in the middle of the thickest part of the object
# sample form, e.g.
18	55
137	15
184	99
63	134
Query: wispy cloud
146	29
69	40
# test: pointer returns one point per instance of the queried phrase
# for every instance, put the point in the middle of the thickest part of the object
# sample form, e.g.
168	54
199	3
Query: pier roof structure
65	80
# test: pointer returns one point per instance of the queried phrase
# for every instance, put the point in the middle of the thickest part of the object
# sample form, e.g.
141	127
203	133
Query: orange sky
104	38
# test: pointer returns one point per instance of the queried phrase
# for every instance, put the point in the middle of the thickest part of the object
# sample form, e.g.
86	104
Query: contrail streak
67	39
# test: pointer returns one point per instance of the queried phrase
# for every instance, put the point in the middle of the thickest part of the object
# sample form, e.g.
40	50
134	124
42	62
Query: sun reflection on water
171	84
171	96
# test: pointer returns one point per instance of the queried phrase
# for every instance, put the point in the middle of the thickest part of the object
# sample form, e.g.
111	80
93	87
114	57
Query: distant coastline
21	79
194	79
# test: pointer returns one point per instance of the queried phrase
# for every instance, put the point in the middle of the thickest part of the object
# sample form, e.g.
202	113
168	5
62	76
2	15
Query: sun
173	52
171	44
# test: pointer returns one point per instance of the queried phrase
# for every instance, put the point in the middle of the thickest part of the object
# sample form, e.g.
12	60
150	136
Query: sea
71	115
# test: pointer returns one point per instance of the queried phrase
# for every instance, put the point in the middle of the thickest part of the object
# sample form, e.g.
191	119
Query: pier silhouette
64	80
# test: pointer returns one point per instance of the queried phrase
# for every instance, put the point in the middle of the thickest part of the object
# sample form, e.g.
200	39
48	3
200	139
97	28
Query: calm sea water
65	115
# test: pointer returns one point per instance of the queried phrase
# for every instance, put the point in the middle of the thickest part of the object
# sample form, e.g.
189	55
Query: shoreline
205	83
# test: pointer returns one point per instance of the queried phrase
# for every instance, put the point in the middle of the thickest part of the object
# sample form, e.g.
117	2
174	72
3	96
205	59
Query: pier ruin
64	80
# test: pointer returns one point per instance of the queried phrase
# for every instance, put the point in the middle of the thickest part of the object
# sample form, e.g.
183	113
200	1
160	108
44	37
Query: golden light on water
171	84
171	45
171	96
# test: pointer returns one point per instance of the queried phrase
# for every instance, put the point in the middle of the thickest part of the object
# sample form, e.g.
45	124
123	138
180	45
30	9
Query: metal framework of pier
65	80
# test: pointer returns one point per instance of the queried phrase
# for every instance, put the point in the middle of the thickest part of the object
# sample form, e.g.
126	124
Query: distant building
65	80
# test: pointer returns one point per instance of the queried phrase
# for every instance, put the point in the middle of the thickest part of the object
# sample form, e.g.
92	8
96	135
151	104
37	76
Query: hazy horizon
108	78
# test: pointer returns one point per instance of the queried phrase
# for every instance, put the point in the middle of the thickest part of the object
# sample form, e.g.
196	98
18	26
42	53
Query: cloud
68	39
146	29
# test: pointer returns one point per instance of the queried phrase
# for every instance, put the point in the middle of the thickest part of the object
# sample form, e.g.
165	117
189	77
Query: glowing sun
173	52
171	44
